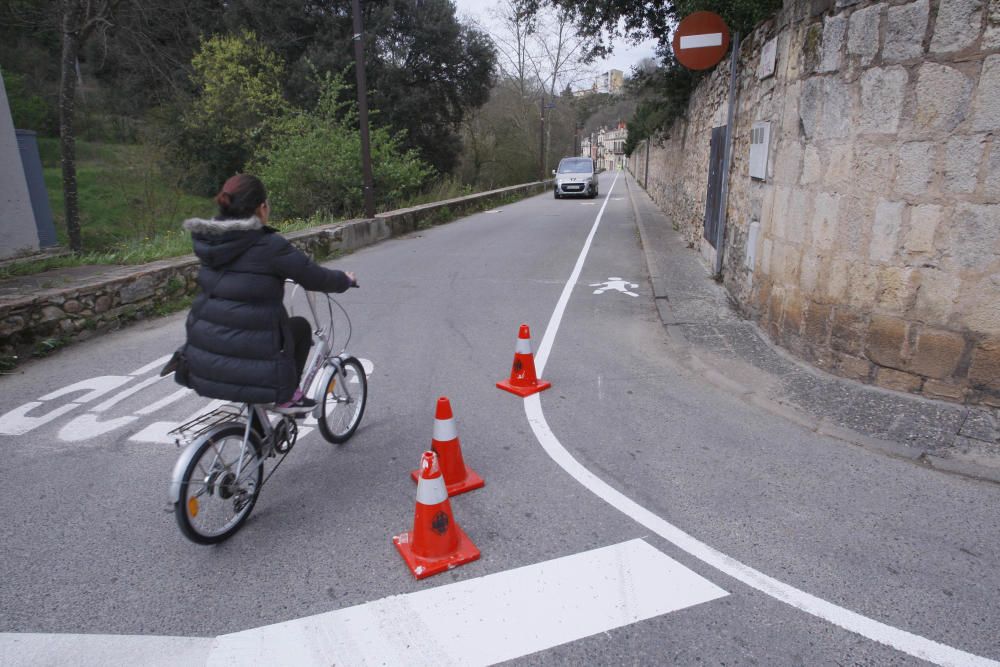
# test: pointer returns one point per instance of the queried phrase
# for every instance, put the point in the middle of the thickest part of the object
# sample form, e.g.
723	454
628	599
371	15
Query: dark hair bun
240	196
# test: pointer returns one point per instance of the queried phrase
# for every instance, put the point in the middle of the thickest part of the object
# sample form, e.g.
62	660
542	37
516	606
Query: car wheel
555	194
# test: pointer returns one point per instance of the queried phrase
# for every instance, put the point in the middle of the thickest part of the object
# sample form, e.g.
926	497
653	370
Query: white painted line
553	326
164	402
485	620
915	645
125	393
34	649
153	365
701	41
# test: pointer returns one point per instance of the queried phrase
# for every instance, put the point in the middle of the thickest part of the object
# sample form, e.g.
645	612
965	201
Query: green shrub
312	163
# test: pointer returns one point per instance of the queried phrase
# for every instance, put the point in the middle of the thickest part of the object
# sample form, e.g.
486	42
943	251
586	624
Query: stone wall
57	316
875	248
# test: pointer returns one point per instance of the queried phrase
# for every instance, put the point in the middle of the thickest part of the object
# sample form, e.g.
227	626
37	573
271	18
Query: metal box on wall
760	138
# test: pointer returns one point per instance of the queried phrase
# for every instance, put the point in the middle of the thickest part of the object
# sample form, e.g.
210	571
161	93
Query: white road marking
478	621
153	365
701	41
125	393
34	649
485	620
909	643
164	402
17	421
89	426
614	284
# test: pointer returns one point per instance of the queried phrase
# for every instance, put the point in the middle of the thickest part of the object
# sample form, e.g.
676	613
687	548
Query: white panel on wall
767	58
760	137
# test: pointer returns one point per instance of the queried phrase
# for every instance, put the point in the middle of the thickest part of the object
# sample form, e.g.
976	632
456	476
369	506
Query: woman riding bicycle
241	344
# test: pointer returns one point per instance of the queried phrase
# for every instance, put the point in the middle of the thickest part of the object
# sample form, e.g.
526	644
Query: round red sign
701	40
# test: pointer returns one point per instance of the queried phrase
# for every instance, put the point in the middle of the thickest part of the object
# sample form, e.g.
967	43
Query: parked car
575	177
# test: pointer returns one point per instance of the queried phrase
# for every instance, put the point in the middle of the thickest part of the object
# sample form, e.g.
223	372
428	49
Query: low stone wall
50	318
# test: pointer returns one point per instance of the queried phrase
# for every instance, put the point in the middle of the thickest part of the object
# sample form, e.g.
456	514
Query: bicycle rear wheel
343	402
214	502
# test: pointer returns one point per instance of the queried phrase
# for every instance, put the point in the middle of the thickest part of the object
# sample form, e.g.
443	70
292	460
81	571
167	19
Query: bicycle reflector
193	506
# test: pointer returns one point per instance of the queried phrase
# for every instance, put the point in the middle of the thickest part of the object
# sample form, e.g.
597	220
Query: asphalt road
88	543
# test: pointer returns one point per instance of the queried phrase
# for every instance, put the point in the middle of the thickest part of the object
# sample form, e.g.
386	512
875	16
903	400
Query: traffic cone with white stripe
457	477
523	381
436	542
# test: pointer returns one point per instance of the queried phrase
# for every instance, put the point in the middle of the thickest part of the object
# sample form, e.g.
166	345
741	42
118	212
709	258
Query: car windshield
578	166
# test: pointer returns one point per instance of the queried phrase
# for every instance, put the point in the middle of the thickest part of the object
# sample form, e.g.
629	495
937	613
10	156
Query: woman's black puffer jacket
239	346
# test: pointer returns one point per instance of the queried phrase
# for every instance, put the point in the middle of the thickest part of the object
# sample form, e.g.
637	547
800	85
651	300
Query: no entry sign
701	40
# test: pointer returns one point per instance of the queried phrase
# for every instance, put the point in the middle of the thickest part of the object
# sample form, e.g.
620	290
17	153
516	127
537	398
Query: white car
575	177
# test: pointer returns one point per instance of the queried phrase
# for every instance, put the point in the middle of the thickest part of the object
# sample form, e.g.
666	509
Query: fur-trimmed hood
216	227
219	242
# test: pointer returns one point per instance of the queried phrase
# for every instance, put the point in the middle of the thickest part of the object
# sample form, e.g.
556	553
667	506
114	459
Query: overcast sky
624	57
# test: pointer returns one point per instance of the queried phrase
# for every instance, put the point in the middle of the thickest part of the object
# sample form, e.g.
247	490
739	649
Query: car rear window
576	166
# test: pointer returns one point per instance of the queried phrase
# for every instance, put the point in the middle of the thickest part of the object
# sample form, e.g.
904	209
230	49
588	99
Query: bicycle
218	477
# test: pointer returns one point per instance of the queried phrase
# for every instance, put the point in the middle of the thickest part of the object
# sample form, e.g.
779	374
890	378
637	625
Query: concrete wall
123	294
877	230
18	234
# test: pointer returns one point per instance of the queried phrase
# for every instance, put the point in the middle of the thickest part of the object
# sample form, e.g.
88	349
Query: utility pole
541	140
366	155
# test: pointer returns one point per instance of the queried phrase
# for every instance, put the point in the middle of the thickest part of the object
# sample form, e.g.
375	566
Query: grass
126	203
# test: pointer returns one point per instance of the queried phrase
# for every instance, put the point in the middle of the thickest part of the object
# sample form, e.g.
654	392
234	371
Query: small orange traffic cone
457	477
436	543
522	374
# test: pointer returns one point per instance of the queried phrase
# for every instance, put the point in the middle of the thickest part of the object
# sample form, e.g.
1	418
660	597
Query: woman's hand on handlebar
354	279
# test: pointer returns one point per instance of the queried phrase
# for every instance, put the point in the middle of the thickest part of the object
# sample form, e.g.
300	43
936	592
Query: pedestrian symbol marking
616	284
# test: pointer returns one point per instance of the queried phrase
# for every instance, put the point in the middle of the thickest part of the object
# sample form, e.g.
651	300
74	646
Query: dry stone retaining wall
876	234
64	314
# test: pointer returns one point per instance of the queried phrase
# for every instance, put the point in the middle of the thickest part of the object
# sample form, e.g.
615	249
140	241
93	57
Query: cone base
471	482
426	567
540	385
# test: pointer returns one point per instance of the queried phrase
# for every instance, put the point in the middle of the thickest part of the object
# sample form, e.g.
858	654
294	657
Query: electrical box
760	138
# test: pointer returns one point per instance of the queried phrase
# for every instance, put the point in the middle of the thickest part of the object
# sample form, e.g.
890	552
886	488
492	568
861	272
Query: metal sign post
700	42
720	233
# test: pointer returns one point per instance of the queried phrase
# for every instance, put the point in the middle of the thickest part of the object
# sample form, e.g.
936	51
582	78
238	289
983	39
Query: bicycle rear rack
186	433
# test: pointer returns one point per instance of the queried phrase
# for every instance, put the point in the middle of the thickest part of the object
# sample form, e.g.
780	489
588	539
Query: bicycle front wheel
220	486
343	402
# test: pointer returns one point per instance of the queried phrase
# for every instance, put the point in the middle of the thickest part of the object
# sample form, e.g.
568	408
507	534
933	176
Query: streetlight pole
366	155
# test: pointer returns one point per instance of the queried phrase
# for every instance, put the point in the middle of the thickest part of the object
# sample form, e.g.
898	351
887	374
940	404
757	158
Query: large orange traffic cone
522	374
436	542
457	478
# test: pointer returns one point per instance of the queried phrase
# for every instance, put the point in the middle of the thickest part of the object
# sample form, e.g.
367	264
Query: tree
425	70
80	20
604	21
238	97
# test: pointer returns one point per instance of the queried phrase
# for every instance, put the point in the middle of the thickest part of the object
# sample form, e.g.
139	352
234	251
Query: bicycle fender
322	382
184	460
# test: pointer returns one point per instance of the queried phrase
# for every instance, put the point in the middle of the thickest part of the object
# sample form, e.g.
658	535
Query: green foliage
30	110
238	98
312	163
663	97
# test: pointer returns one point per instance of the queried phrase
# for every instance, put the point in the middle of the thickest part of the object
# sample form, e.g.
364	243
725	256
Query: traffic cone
457	478
436	543
522	374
